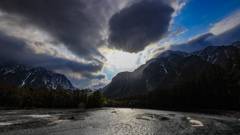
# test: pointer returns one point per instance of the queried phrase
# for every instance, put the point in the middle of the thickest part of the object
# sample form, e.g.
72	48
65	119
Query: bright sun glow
121	61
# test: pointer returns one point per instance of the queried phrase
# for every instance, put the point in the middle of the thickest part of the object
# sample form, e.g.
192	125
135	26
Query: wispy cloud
226	24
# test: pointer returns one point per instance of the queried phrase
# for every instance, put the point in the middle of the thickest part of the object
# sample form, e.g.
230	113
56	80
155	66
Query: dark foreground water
113	121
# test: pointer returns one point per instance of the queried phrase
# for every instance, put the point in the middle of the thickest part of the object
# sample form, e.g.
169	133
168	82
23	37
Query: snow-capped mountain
218	54
27	76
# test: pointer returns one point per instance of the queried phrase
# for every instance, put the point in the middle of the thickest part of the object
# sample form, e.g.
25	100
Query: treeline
216	89
20	97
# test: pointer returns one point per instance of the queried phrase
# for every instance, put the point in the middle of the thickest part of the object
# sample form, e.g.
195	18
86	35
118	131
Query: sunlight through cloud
121	60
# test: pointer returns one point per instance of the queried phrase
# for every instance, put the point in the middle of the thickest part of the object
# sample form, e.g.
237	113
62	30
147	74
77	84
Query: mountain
158	69
27	76
125	83
218	54
236	44
142	79
171	67
184	69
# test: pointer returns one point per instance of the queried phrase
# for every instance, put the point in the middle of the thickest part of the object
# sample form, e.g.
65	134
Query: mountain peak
28	76
170	52
236	44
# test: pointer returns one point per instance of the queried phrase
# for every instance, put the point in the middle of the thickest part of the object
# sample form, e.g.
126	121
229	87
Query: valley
119	67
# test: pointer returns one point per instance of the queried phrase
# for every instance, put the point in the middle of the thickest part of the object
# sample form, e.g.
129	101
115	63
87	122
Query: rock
71	118
165	118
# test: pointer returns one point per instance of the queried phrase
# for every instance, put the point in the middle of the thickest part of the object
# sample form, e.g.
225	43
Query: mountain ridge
28	76
170	67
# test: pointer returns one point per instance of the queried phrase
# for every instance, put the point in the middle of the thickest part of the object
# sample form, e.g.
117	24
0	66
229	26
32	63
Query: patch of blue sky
197	15
44	33
108	73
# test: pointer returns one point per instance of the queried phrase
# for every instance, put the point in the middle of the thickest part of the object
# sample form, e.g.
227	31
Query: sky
90	41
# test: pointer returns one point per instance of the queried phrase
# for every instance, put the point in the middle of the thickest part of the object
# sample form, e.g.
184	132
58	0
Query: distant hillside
27	76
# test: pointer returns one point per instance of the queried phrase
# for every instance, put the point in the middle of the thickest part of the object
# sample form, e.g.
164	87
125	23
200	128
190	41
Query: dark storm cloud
98	77
65	20
15	50
195	44
202	41
135	27
11	47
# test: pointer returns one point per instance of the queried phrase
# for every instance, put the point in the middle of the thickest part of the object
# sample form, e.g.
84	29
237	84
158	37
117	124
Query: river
113	121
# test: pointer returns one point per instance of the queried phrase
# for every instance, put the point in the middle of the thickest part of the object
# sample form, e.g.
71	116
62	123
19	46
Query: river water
113	121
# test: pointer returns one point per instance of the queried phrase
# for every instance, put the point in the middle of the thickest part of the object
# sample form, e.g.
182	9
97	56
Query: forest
21	97
218	88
